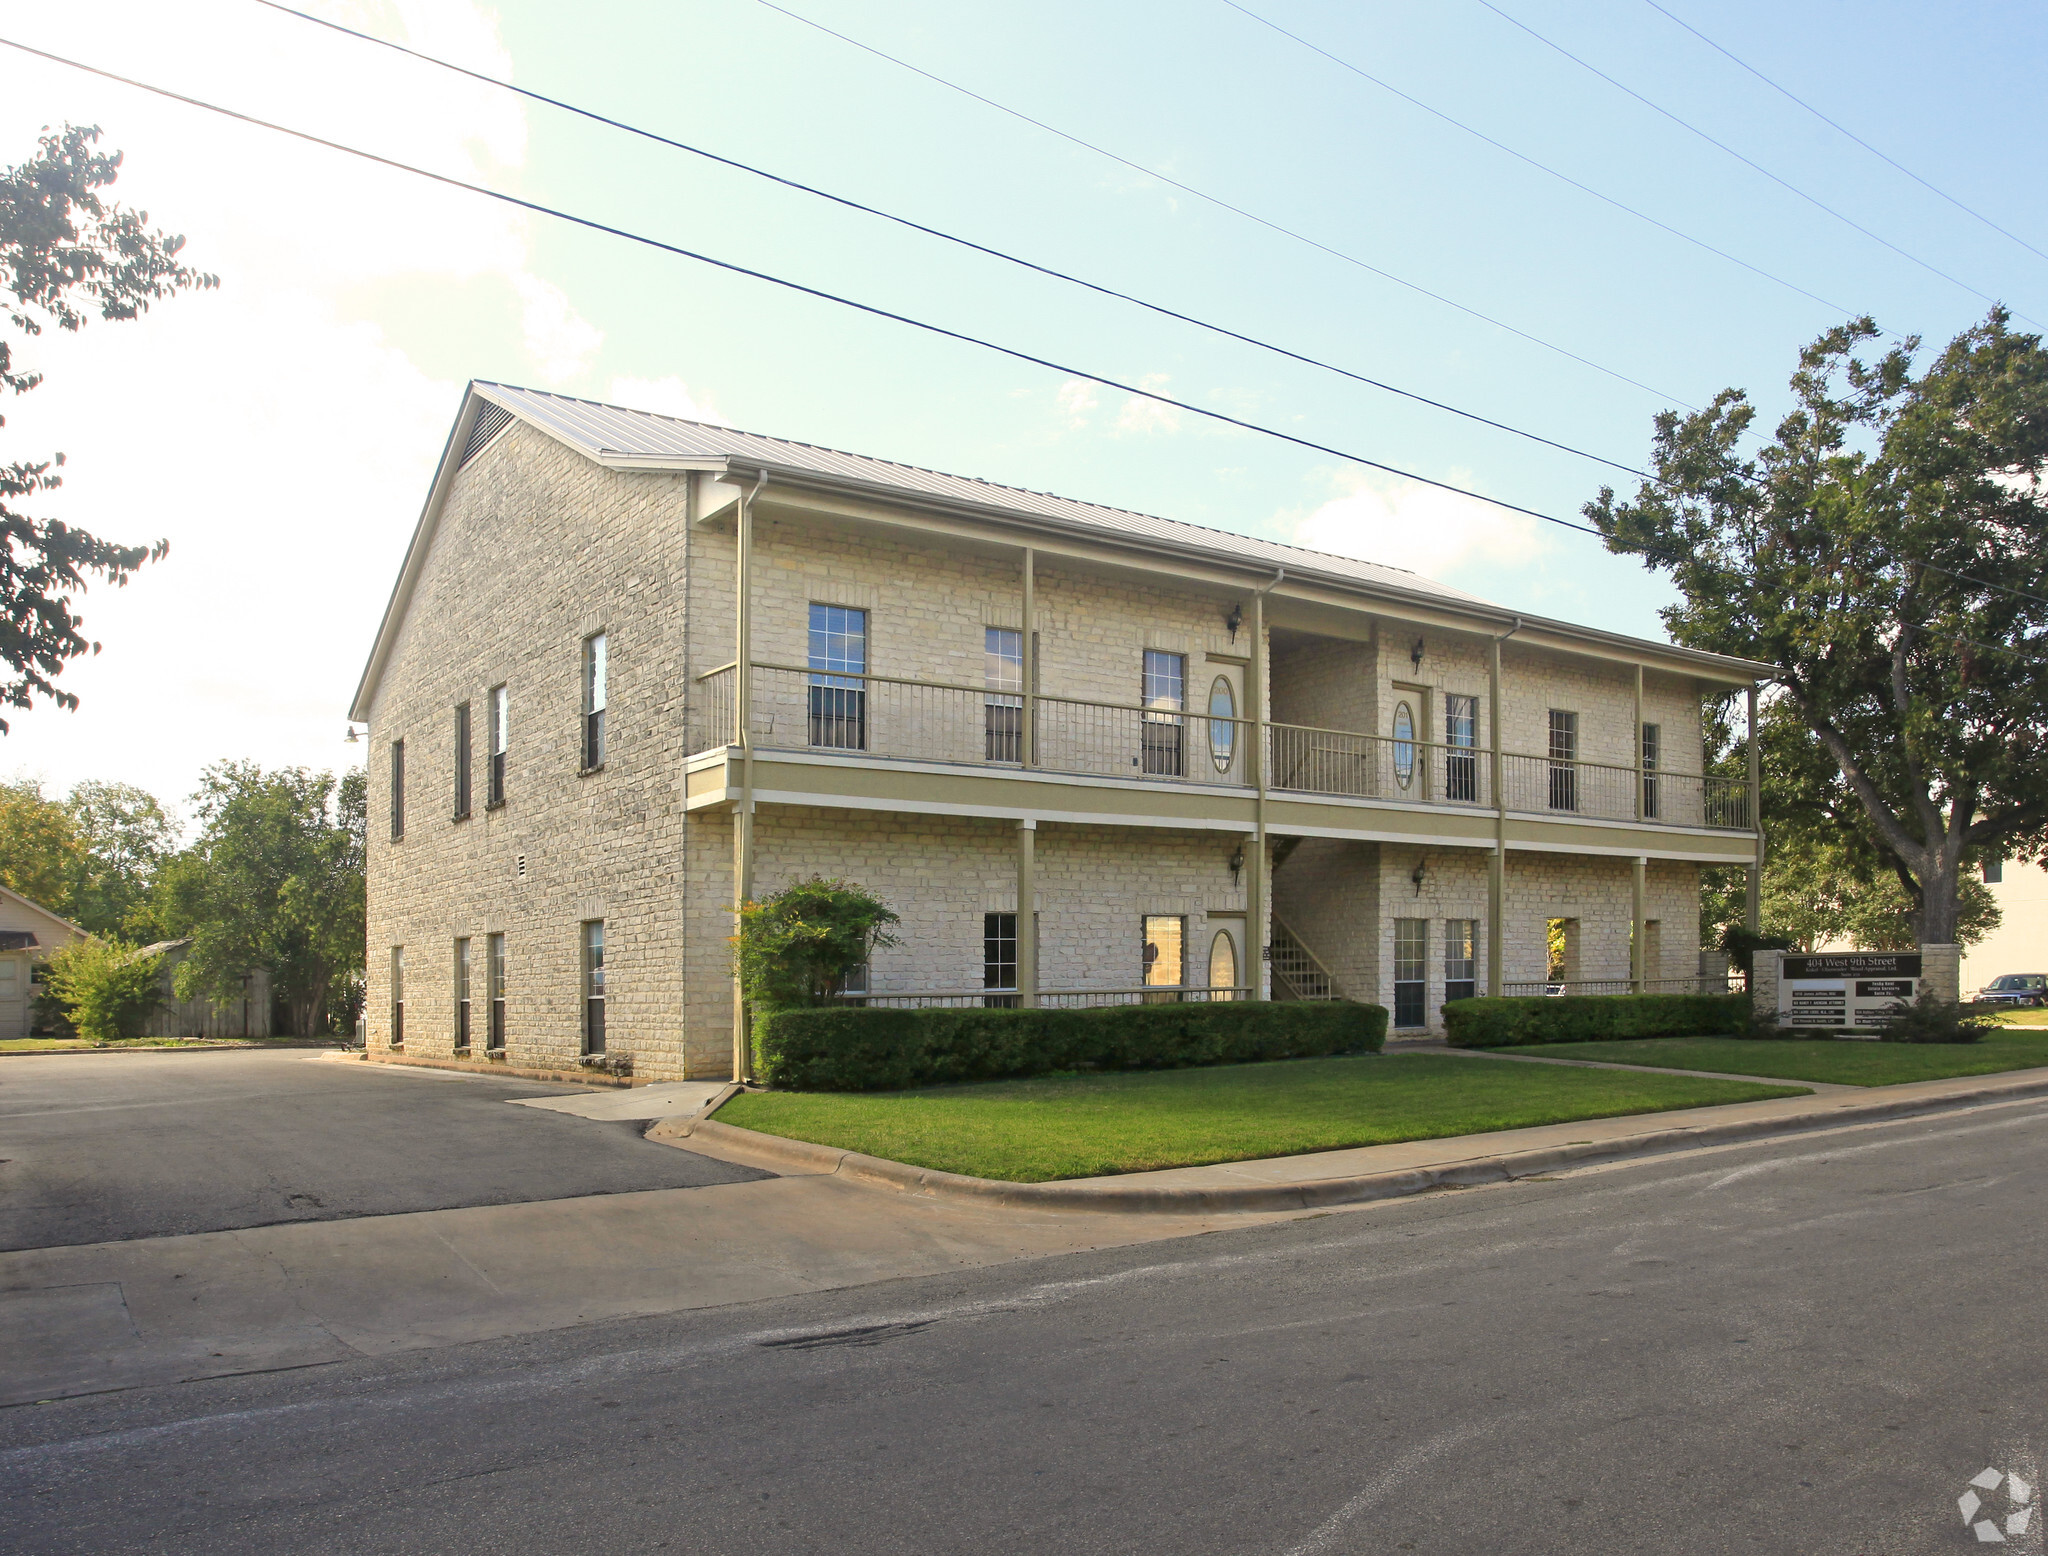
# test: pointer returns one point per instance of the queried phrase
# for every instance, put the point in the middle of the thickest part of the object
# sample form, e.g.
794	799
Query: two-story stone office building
636	669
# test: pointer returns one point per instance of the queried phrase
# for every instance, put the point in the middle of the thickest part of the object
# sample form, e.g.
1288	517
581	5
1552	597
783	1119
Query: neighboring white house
28	933
2020	943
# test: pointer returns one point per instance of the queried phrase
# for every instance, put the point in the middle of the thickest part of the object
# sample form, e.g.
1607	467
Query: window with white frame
397	790
596	662
1164	692
1461	958
461	760
497	744
398	996
462	994
593	986
1411	972
999	957
1003	706
494	979
839	663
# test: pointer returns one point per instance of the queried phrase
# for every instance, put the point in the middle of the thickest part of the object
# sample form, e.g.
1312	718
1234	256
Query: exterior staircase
1297	974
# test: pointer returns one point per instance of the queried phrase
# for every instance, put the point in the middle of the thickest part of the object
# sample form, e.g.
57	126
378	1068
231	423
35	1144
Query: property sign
1852	989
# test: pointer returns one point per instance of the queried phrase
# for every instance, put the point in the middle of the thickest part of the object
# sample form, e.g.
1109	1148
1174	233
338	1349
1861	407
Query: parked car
2015	989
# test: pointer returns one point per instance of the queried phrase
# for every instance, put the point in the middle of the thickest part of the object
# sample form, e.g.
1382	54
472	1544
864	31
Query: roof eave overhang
1708	666
1482	615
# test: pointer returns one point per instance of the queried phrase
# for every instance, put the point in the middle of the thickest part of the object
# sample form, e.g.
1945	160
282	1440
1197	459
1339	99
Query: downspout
743	715
1260	948
1753	888
1497	877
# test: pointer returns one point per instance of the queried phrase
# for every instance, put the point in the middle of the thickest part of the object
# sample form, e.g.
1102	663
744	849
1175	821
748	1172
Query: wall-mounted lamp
352	737
1421	869
1236	864
1234	620
1415	654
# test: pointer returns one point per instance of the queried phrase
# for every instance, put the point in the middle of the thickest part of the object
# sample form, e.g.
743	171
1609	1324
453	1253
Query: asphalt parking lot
110	1147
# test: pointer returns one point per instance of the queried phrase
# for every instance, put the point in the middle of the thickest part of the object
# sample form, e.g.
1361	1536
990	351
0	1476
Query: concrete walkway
665	1099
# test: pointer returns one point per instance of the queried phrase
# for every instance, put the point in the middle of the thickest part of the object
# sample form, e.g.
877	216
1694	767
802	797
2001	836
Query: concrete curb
680	1127
752	1149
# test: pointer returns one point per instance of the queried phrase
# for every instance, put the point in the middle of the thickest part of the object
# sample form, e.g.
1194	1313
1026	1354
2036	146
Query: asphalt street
108	1147
1805	1346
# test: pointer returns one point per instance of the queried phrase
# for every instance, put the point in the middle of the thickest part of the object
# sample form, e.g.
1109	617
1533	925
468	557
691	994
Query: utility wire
1541	167
966	243
1222	204
1837	125
1748	162
866	308
796	286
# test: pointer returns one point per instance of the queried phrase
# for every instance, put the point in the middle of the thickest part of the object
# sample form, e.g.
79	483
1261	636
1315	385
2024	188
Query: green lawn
1084	1126
1847	1061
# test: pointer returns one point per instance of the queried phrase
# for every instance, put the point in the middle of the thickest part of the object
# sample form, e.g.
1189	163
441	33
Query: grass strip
1845	1061
1084	1126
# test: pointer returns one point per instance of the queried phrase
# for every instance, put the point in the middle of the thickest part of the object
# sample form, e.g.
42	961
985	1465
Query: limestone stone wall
942	874
1327	891
929	607
537	549
1342	899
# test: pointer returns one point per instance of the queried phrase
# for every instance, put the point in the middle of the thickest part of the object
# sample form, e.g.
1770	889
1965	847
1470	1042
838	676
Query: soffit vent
490	421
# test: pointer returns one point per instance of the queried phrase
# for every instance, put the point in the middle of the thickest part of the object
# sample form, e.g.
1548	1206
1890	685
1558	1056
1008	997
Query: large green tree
66	253
126	835
1886	549
40	853
274	880
1827	879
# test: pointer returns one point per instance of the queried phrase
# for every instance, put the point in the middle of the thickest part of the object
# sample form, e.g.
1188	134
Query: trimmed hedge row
1591	1018
841	1048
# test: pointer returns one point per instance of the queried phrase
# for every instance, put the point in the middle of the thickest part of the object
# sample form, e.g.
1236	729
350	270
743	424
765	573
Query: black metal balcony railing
904	719
1059	999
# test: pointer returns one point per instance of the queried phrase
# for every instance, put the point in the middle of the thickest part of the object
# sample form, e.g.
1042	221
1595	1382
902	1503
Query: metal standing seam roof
628	439
610	432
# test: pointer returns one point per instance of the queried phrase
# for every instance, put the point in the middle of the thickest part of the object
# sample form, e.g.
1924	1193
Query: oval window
1223	964
1222	731
1404	744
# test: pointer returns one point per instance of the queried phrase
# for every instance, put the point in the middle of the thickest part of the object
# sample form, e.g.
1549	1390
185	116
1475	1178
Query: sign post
1845	990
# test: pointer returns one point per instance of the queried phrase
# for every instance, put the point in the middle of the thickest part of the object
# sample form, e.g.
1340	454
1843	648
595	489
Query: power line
1541	167
1748	162
966	243
1837	125
867	308
797	286
1222	204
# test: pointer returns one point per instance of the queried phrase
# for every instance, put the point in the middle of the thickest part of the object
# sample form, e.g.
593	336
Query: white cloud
280	440
668	396
1140	415
1076	400
1405	523
557	336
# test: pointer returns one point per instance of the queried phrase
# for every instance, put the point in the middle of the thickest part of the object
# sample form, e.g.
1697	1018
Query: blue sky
281	431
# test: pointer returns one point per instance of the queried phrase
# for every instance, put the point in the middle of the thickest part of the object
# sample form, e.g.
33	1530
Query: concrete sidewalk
1364	1173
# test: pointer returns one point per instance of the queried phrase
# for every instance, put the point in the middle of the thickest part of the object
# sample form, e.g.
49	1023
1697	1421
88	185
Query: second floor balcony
887	718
